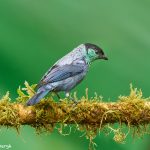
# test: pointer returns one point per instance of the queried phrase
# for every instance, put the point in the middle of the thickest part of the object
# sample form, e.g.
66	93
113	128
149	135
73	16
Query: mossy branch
92	115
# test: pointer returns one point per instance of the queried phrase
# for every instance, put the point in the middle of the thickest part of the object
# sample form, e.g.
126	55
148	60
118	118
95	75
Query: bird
67	72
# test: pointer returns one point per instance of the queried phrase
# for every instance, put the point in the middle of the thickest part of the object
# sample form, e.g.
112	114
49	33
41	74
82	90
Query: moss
90	116
9	116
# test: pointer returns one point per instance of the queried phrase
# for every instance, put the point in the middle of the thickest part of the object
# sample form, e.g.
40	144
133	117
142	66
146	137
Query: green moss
8	114
128	110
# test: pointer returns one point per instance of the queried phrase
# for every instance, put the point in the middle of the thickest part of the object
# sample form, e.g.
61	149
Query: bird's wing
58	73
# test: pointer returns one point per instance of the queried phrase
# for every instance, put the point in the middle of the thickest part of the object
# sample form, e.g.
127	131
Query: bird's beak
104	57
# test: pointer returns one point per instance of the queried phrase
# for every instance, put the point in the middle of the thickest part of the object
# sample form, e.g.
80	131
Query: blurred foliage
34	34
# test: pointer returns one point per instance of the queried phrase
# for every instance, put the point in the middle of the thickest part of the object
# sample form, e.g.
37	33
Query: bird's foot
75	102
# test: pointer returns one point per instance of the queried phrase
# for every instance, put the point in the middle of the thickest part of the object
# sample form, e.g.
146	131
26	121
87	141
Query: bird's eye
96	52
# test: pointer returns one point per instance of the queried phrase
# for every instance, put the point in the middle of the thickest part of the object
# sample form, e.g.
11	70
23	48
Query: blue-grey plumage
68	72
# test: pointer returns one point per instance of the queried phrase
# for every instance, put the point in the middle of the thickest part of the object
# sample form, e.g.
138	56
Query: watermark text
5	146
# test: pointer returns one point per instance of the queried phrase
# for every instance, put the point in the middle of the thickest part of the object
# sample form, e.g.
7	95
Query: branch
133	112
92	114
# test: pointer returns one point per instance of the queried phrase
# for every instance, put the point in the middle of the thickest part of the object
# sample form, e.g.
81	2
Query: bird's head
93	52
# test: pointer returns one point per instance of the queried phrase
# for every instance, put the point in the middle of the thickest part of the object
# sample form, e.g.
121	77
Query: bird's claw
75	102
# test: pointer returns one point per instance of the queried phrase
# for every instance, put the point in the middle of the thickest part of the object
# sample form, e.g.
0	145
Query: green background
36	33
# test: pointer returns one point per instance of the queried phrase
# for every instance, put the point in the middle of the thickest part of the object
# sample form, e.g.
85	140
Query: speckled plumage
67	72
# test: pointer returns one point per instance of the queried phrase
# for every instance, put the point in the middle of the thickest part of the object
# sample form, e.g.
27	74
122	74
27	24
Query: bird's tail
37	97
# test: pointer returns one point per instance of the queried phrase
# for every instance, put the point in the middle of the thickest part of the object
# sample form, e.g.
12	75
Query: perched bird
67	72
